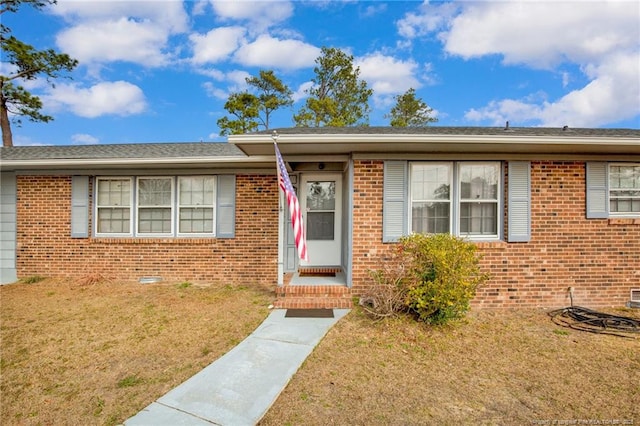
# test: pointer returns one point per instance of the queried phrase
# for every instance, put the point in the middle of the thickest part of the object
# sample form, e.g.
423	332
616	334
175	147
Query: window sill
624	221
153	240
490	244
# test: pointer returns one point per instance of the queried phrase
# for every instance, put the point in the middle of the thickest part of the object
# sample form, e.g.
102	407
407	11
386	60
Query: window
479	199
165	206
470	209
114	202
624	189
431	198
321	205
155	205
196	195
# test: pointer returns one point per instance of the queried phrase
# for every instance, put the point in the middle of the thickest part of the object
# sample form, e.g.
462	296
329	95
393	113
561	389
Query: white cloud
119	40
373	9
600	37
261	14
388	75
134	31
214	91
499	112
214	73
270	52
612	96
199	7
543	34
237	80
169	14
108	98
84	139
428	19
301	93
216	45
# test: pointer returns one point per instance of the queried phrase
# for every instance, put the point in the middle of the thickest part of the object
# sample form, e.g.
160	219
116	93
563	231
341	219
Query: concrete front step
313	297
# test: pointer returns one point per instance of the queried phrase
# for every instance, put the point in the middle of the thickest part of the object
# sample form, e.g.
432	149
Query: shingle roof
121	151
468	131
214	150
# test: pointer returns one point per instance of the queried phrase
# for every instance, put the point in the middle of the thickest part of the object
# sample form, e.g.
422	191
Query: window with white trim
624	189
114	201
462	198
431	198
154	200
479	185
196	202
165	206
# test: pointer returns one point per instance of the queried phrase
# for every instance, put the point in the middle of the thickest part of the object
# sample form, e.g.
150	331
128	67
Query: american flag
294	206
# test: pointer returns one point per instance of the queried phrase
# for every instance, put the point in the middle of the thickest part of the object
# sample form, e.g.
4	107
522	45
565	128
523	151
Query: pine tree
28	64
410	111
338	97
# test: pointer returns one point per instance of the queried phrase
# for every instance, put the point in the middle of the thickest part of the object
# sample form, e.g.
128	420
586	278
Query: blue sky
161	70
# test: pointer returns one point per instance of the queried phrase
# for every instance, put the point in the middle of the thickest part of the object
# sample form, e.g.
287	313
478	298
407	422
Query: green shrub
443	276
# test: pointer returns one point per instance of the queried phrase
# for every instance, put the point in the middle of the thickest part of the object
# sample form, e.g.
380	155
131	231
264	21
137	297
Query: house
555	212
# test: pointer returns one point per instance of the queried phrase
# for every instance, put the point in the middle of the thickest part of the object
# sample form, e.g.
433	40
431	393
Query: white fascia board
118	162
416	138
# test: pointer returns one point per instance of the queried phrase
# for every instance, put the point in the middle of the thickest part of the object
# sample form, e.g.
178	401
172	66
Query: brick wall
599	258
46	248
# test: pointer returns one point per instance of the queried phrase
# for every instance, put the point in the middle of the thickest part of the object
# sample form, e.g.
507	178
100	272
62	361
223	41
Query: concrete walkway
238	388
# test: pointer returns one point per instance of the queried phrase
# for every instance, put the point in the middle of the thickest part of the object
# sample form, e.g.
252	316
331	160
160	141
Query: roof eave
261	144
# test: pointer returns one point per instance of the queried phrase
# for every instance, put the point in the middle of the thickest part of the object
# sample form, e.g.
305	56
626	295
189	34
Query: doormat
309	313
317	274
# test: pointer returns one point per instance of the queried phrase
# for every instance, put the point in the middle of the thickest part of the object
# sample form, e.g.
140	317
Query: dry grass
495	368
96	351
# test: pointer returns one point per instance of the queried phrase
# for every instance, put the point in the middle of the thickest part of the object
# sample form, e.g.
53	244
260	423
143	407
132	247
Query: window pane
624	177
479	181
624	185
431	218
320	225
196	191
621	205
478	218
154	221
430	182
196	220
113	221
114	192
321	195
154	192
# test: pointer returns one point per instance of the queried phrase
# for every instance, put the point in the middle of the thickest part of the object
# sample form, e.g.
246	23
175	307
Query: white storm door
321	203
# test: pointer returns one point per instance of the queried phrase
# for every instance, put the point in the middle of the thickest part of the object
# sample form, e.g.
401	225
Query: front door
321	204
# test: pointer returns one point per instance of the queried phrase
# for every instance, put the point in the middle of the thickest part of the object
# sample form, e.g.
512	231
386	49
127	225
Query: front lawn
82	354
75	353
494	368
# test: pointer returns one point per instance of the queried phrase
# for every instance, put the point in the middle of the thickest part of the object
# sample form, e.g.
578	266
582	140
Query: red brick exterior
45	246
599	258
